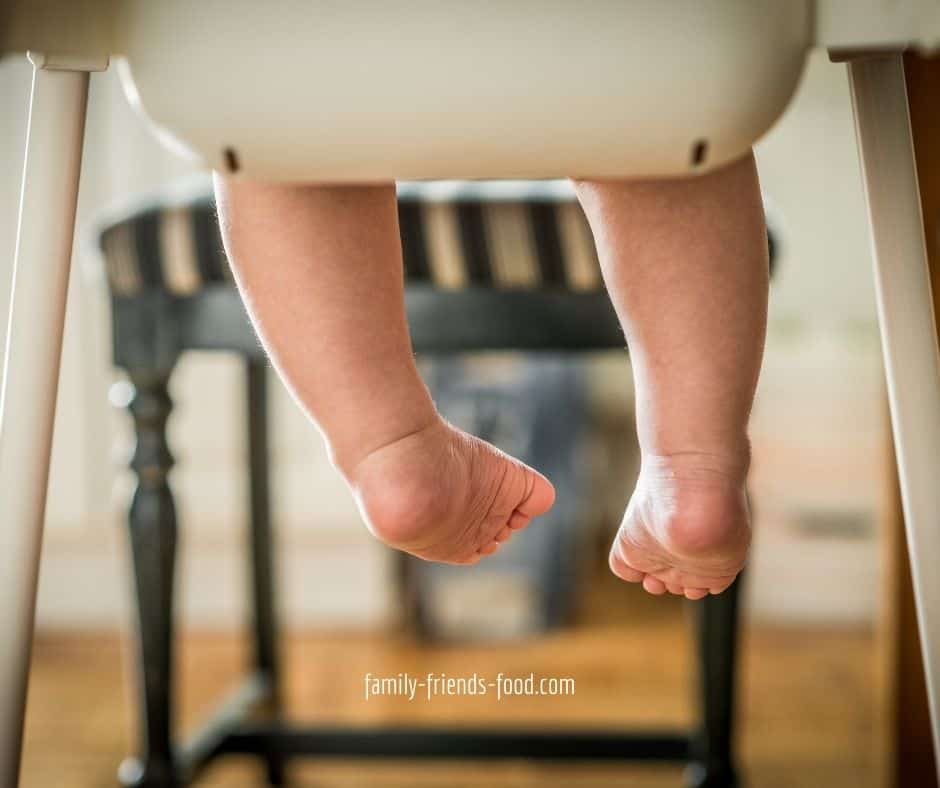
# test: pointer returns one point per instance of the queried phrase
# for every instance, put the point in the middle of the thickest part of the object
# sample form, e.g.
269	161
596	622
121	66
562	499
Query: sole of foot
444	495
687	529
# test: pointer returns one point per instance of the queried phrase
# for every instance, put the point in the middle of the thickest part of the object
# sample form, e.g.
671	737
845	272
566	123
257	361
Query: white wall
817	426
819	430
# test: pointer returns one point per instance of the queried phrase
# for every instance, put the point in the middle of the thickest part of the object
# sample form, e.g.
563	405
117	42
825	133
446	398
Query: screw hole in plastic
699	152
231	160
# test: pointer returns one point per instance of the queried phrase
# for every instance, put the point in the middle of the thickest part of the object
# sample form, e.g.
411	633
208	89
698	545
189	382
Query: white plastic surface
31	374
371	89
877	24
908	332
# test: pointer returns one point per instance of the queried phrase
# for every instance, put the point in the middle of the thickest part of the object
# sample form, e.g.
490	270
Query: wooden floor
807	700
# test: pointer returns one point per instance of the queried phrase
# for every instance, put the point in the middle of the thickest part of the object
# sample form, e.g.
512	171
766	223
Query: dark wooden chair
500	266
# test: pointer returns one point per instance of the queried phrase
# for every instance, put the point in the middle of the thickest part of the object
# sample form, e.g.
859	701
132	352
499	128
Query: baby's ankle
730	462
349	451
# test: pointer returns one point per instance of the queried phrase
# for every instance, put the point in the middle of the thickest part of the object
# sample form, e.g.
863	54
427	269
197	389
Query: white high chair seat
521	89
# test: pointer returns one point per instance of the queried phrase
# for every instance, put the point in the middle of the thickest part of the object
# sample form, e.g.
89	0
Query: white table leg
908	331
30	380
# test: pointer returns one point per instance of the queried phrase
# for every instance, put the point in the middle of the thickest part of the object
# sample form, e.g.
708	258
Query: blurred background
815	692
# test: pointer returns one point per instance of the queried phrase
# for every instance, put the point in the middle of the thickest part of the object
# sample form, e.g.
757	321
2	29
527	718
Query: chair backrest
526	235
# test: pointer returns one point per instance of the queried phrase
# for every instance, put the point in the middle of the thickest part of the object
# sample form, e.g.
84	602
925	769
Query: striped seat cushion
455	234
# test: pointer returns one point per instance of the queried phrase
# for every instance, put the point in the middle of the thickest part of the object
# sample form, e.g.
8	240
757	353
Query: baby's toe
623	571
675	588
538	497
691	580
721	588
653	585
518	520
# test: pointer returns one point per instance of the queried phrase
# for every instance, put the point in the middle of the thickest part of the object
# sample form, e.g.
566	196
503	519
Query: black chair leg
716	623
261	551
153	545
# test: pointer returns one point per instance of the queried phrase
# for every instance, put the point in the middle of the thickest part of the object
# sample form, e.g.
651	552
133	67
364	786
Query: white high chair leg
27	402
908	331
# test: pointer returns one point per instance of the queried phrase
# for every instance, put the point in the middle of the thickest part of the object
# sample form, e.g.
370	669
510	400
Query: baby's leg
320	270
685	262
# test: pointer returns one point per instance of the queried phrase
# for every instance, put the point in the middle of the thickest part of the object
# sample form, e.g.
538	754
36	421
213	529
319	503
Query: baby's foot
687	527
444	495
